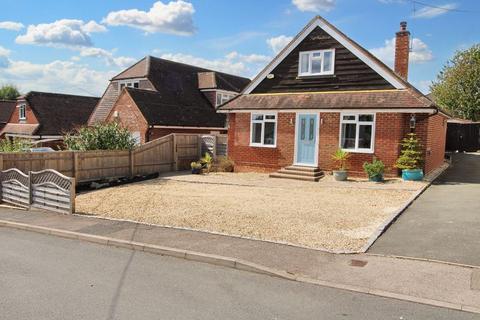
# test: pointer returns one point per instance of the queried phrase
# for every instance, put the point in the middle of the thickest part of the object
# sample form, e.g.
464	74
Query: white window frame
252	121
224	97
310	58
357	131
22	112
128	83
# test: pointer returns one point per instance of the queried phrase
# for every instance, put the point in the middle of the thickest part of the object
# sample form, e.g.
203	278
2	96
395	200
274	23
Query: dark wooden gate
463	137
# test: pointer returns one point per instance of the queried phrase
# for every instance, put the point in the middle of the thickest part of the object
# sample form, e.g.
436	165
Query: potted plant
374	170
207	162
341	157
411	159
196	167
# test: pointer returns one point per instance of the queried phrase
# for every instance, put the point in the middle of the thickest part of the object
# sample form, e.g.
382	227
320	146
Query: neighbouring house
6	109
322	92
156	97
45	117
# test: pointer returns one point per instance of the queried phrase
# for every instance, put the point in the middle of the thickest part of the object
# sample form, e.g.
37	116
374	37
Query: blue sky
75	47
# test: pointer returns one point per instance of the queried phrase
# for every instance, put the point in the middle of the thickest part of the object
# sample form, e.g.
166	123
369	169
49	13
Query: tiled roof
59	113
385	99
158	109
6	109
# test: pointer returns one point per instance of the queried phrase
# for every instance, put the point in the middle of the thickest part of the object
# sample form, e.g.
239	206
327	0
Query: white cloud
4	53
430	12
419	53
56	76
109	57
314	5
61	33
278	43
234	62
175	17
11	25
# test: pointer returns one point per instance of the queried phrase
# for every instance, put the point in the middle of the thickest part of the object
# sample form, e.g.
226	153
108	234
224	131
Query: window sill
309	76
359	151
263	146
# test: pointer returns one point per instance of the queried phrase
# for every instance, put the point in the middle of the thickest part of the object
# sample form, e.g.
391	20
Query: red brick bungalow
156	97
323	92
44	117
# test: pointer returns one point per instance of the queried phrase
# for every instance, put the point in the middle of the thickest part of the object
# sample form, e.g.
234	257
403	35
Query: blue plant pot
377	178
196	170
412	174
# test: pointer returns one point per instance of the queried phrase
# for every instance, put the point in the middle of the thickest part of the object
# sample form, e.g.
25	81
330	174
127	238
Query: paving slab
444	222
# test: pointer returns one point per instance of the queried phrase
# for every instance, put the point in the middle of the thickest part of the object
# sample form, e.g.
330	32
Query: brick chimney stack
402	50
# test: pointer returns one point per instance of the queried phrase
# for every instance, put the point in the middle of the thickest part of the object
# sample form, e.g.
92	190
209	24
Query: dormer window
316	63
129	84
223	97
22	112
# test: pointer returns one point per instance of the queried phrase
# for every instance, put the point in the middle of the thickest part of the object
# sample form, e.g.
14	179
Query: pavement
44	277
444	222
405	279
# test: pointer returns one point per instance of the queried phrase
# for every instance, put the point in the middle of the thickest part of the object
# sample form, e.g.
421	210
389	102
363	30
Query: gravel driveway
329	215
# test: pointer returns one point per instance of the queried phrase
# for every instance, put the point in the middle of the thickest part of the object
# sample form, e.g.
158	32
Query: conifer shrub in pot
411	158
374	170
340	157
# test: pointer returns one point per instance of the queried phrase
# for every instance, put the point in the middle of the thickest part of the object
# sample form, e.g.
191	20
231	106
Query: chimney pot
403	26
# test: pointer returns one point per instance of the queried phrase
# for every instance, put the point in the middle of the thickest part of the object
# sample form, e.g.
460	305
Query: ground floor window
357	132
263	130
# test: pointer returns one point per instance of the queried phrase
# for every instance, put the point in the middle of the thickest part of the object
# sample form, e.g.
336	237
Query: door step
299	173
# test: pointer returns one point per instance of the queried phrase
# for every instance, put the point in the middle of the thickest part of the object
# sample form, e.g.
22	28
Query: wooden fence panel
62	161
153	156
102	164
53	191
186	149
15	187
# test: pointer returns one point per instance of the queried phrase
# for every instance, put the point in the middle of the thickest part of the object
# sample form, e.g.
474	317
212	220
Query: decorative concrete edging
384	226
238	264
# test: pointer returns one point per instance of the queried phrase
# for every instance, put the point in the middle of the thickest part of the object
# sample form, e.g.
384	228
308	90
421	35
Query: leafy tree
103	136
14	145
457	87
9	92
411	156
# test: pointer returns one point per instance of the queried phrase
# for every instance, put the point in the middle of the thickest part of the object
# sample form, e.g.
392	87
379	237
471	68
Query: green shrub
340	157
224	164
207	161
374	169
411	153
14	145
103	136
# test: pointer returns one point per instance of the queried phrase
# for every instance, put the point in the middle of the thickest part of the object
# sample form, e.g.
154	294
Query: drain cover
358	263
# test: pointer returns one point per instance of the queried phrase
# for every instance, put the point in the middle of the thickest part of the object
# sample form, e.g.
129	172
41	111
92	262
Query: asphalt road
46	277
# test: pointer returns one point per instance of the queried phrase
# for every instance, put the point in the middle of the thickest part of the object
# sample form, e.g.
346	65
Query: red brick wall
129	116
390	128
31	119
248	158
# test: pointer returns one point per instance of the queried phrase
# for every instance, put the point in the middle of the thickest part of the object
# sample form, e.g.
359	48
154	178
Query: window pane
269	136
365	117
256	133
135	84
317	54
316	66
258	117
219	99
327	61
122	86
312	129
348	117
302	129
304	63
270	117
365	136
348	135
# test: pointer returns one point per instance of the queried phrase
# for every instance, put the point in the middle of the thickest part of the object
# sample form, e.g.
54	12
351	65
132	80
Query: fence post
30	195
76	165
199	143
72	195
214	147
132	163
175	153
1	162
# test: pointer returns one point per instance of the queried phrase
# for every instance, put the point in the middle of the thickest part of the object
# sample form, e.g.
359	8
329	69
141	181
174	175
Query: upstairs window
22	112
357	132
223	97
129	84
263	130
316	63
